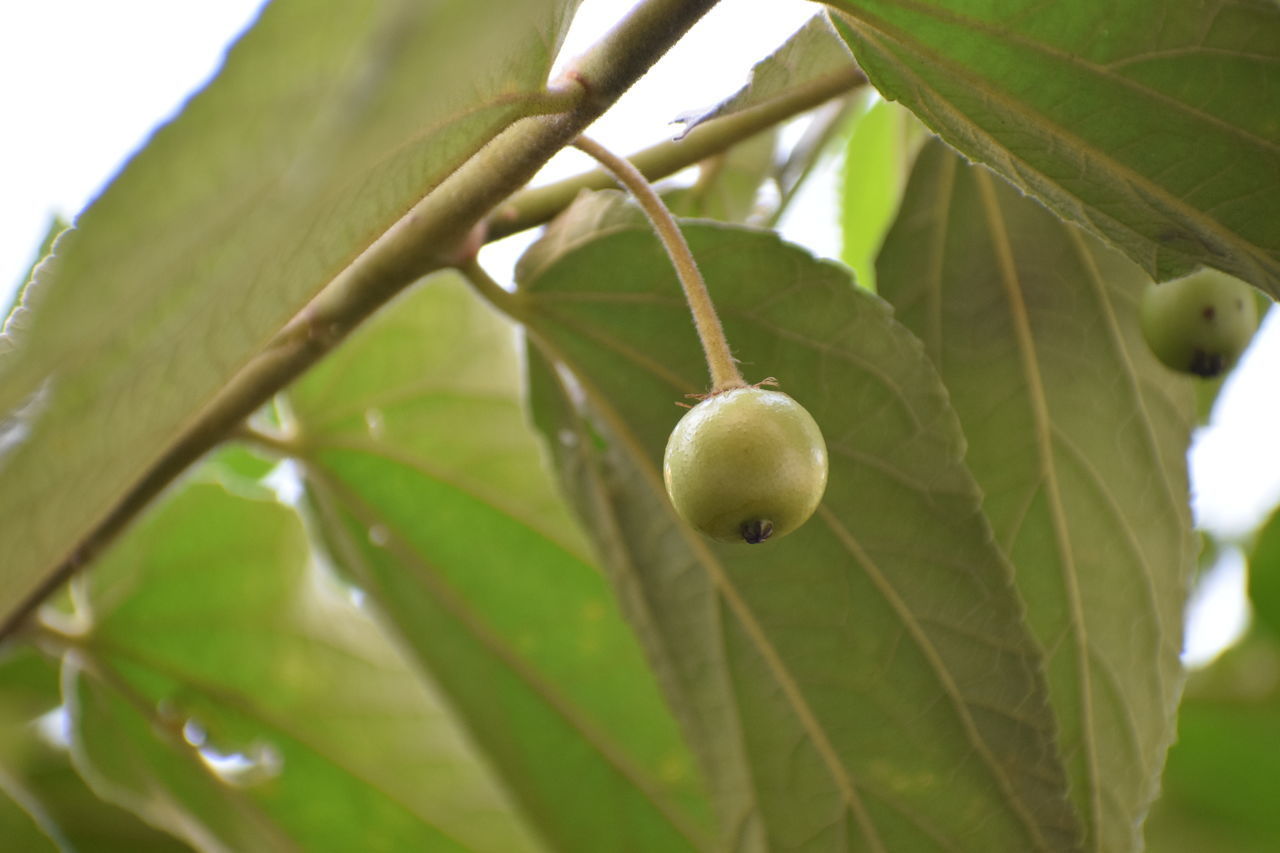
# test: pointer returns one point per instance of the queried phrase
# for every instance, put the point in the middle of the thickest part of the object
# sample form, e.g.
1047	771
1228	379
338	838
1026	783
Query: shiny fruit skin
1199	324
746	464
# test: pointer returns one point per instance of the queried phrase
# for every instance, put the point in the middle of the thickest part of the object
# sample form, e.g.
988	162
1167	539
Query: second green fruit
745	465
1199	324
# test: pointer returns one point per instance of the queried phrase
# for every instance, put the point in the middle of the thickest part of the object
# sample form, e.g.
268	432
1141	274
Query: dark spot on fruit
755	532
1208	312
1207	365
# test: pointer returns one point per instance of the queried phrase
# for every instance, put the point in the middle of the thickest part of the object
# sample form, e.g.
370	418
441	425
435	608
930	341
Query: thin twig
537	206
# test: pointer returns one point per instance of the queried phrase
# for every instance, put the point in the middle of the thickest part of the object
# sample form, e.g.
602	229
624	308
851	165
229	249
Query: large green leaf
327	122
1155	123
865	683
435	495
210	627
1078	438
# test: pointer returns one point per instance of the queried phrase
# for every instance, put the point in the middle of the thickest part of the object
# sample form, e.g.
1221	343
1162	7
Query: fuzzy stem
724	371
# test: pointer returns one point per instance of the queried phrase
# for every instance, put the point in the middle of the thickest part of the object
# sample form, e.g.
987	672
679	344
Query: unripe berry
746	464
1199	324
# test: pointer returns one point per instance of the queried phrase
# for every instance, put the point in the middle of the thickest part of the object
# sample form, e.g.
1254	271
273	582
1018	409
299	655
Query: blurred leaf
43	775
1264	576
435	496
1228	766
857	685
326	123
729	183
212	636
877	161
138	762
1155	123
28	688
23	825
1220	783
812	52
240	463
1078	438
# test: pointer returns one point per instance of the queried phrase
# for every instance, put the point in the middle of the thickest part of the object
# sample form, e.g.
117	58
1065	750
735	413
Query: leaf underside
1154	123
1077	436
861	684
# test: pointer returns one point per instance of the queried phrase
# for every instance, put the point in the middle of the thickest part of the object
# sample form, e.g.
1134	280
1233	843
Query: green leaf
811	53
877	160
435	496
1078	438
1264	575
49	791
137	762
861	684
28	688
23	825
1219	788
213	630
326	123
240	464
1154	123
1227	765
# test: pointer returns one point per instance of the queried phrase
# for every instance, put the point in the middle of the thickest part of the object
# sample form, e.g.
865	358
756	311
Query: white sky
83	82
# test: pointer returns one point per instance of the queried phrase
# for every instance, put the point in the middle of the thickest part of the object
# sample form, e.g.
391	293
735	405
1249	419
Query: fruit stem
724	370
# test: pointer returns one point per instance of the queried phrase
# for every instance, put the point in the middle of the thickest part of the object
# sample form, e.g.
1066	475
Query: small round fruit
746	464
1199	324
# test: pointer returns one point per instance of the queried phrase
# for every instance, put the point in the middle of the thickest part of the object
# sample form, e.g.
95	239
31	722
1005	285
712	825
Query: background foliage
433	595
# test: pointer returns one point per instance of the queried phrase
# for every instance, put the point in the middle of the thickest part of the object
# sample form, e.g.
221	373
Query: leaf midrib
1042	425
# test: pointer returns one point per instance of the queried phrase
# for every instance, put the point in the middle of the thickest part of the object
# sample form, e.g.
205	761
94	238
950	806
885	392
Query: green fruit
746	464
1199	324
